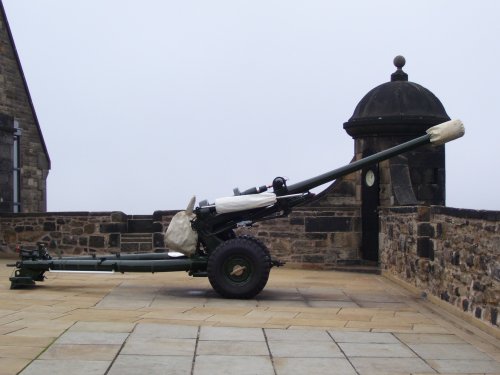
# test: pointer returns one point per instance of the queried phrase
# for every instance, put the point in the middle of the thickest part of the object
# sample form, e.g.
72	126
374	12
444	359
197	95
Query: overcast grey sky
145	103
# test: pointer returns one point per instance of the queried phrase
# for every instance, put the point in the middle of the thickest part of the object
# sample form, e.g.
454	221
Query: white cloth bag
179	235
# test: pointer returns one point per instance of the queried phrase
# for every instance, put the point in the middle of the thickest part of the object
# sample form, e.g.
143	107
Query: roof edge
392	125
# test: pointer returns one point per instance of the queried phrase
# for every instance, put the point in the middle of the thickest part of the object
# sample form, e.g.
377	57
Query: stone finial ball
399	61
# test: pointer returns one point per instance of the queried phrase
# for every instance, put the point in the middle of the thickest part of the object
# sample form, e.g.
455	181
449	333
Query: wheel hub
238	270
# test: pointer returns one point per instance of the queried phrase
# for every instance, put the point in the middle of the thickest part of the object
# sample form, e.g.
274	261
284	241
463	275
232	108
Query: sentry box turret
236	266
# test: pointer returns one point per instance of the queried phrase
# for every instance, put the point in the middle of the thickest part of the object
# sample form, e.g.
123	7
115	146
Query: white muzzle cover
446	131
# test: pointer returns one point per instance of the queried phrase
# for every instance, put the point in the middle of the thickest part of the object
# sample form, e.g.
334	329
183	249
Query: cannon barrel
436	135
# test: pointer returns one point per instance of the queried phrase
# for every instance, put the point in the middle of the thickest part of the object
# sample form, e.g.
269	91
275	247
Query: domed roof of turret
398	107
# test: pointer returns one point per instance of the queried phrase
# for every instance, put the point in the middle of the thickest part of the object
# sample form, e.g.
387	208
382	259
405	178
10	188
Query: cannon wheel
239	267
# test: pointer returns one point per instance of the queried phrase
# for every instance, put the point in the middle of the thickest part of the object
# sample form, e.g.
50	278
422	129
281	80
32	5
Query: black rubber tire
232	254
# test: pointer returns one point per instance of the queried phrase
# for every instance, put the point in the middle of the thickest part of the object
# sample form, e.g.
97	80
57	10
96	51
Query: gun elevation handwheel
239	268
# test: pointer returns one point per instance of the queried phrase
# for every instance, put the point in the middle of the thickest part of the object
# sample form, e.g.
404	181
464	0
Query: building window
16	168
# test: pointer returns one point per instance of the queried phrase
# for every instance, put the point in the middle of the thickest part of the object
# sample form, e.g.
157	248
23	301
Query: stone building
24	160
390	114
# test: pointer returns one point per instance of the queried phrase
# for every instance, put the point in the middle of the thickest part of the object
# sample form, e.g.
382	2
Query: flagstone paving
312	322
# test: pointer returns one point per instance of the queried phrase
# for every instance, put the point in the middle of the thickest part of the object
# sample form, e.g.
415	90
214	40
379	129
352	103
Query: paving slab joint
195	349
269	351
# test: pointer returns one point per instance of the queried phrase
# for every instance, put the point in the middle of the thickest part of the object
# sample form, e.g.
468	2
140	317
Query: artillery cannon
236	266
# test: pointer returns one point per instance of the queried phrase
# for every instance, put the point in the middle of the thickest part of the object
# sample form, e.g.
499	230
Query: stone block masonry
66	233
452	254
75	233
309	238
316	238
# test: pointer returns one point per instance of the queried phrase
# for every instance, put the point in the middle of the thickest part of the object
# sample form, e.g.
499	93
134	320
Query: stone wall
309	238
452	254
74	233
65	232
318	238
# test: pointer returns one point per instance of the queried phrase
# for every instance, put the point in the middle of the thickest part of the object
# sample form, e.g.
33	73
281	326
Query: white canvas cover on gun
244	202
179	235
446	131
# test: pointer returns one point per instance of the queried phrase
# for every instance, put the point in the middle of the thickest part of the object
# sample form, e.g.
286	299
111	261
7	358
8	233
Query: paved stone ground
168	323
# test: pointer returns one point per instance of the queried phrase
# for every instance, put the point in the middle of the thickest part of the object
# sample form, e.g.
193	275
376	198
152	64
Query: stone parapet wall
317	238
452	254
74	233
66	233
308	238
